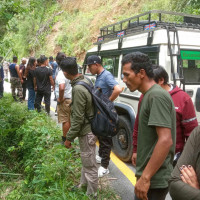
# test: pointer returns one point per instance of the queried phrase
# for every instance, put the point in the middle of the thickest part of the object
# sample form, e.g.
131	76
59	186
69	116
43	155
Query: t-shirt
156	110
60	79
54	67
106	82
42	75
29	82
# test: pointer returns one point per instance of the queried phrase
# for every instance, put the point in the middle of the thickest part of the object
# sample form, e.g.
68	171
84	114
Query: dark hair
51	58
60	56
139	61
69	65
31	62
38	62
43	59
14	58
159	72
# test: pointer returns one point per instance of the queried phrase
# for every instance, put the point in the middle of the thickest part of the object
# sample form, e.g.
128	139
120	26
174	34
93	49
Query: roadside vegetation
48	26
33	163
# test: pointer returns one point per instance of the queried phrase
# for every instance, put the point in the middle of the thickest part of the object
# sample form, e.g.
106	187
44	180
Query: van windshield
191	66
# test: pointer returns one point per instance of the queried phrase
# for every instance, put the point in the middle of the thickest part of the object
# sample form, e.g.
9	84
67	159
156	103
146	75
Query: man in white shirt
63	92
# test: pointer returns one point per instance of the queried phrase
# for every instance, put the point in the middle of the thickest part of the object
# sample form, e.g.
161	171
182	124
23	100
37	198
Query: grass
33	164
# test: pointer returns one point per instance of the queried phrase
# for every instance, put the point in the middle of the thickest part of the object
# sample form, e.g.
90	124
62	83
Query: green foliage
30	146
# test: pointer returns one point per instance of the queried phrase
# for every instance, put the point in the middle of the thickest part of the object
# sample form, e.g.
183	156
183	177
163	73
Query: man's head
160	75
137	67
51	58
94	64
60	56
23	61
44	60
15	59
69	67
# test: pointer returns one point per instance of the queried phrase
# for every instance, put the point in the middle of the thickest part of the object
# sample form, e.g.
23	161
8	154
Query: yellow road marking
122	167
51	108
120	164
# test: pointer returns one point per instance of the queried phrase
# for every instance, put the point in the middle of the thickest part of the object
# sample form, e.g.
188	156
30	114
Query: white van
173	45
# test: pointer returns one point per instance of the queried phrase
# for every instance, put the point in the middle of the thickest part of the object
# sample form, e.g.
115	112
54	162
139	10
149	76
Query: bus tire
123	141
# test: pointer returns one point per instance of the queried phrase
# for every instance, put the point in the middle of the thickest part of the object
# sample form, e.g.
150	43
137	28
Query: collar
101	73
79	78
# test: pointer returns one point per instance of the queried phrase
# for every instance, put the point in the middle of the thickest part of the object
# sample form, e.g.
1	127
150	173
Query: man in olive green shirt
82	110
157	129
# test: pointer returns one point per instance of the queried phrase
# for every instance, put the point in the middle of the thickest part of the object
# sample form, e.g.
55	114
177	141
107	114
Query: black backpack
105	121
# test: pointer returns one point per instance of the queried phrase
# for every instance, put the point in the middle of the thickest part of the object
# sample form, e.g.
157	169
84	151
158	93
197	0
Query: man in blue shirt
109	86
1	78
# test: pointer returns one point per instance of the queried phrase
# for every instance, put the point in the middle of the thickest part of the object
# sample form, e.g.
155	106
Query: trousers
89	171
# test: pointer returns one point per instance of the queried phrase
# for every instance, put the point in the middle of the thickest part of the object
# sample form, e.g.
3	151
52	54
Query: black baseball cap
93	59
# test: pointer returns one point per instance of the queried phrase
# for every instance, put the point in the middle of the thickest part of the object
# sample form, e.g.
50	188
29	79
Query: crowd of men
165	120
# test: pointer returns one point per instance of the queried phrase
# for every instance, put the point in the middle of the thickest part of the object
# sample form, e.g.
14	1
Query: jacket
190	156
186	119
82	109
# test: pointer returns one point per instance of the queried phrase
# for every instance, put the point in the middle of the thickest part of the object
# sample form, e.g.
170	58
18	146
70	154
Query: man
63	92
16	79
81	109
53	66
157	129
109	86
22	71
42	82
186	119
1	78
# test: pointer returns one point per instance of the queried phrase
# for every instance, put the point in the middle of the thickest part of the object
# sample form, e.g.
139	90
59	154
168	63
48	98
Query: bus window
111	64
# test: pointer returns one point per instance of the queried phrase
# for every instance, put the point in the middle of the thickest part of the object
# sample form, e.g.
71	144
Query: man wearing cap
109	86
1	78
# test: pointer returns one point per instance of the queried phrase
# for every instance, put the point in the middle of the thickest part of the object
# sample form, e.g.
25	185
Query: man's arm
159	154
116	91
18	72
61	92
52	82
35	84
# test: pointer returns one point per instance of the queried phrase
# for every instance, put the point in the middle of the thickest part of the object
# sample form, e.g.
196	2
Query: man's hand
60	100
68	144
188	175
141	188
21	81
133	159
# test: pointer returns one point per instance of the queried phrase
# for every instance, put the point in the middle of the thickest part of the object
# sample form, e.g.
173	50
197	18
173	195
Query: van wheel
123	141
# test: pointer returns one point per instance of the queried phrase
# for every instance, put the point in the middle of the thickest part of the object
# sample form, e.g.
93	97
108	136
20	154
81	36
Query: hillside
72	26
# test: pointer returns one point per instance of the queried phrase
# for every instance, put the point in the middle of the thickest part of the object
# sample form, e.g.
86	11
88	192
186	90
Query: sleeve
50	72
160	112
110	81
177	188
78	118
61	78
135	129
189	119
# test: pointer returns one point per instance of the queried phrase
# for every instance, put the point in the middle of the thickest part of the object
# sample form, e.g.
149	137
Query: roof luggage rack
147	22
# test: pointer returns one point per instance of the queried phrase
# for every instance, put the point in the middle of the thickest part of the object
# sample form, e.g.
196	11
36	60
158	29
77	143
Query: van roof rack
148	22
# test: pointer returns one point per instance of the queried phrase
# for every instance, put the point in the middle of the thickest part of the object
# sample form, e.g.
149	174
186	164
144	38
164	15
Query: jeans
31	98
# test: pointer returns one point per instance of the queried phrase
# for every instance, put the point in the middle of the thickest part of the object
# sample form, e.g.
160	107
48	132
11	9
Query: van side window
111	64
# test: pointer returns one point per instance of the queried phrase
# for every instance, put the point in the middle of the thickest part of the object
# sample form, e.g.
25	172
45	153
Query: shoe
98	159
102	172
